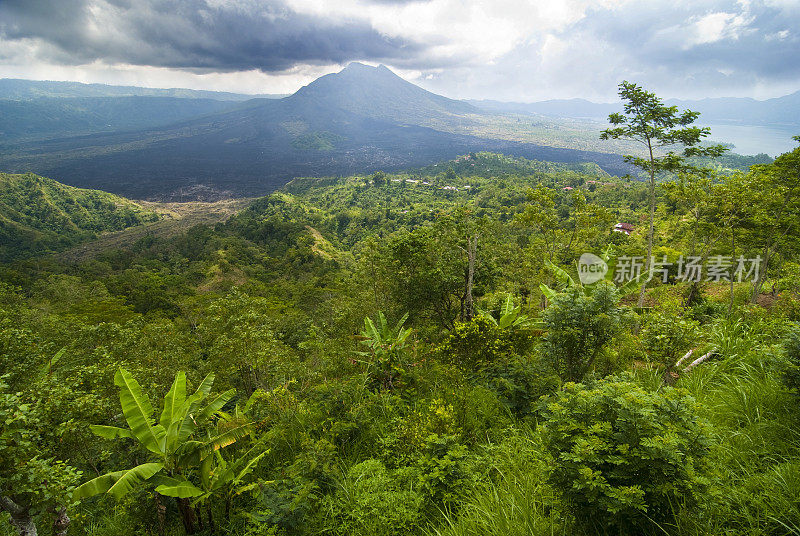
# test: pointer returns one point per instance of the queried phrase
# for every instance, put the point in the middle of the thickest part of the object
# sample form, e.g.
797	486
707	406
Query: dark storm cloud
192	34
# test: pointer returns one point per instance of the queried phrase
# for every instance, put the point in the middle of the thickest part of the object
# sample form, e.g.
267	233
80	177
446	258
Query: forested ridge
38	214
411	353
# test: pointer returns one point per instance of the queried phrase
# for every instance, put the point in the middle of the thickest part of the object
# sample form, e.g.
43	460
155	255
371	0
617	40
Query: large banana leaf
547	291
384	326
174	401
215	405
187	424
205	385
118	483
562	275
371	333
47	369
508	314
182	489
508	307
487	315
138	412
400	323
189	454
229	437
238	473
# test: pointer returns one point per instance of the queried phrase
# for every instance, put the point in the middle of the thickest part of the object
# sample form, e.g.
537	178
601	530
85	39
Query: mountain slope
53	117
39	214
780	111
378	93
18	89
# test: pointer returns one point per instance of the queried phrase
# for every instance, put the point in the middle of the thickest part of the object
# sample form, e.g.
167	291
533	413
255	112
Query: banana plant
510	316
227	478
171	441
386	345
566	281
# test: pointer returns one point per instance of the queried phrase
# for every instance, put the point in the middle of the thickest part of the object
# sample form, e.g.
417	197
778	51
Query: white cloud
714	27
250	82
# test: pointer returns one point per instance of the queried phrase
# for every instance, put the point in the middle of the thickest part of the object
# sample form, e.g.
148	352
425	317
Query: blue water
755	139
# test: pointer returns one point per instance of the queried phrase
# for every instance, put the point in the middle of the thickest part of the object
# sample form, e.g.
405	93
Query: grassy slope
39	214
174	218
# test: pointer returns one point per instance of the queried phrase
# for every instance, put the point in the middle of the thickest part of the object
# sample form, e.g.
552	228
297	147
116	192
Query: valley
362	119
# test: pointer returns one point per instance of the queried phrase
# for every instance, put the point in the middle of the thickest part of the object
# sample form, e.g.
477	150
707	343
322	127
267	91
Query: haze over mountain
18	89
780	111
356	121
46	118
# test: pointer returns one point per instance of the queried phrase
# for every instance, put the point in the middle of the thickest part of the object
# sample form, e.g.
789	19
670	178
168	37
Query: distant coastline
755	139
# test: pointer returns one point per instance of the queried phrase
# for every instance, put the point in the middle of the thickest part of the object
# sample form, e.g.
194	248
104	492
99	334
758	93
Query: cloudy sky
502	49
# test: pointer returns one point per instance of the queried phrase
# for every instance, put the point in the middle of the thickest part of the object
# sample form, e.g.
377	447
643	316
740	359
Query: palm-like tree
172	442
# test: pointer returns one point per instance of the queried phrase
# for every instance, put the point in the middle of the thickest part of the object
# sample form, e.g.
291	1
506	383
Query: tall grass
517	501
755	460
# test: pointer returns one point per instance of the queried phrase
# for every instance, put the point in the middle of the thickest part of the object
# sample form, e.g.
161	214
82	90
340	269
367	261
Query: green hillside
38	214
411	353
487	164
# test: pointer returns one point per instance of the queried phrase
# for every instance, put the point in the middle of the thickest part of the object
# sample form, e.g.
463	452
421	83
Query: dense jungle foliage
415	354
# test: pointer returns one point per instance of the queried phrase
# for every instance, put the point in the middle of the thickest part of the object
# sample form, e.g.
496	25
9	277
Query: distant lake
751	139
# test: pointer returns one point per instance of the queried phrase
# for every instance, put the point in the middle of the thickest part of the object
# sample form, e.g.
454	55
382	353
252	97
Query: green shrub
788	305
447	472
706	310
666	337
520	382
476	344
579	326
625	458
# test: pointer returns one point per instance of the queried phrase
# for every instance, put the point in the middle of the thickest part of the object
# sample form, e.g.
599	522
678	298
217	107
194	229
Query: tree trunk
21	518
198	515
472	253
762	272
61	522
211	526
733	253
187	516
161	513
651	230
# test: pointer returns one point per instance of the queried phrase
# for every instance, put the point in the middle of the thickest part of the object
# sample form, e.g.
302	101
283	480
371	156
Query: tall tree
648	121
774	191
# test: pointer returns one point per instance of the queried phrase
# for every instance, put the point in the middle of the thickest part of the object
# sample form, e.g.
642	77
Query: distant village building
626	228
